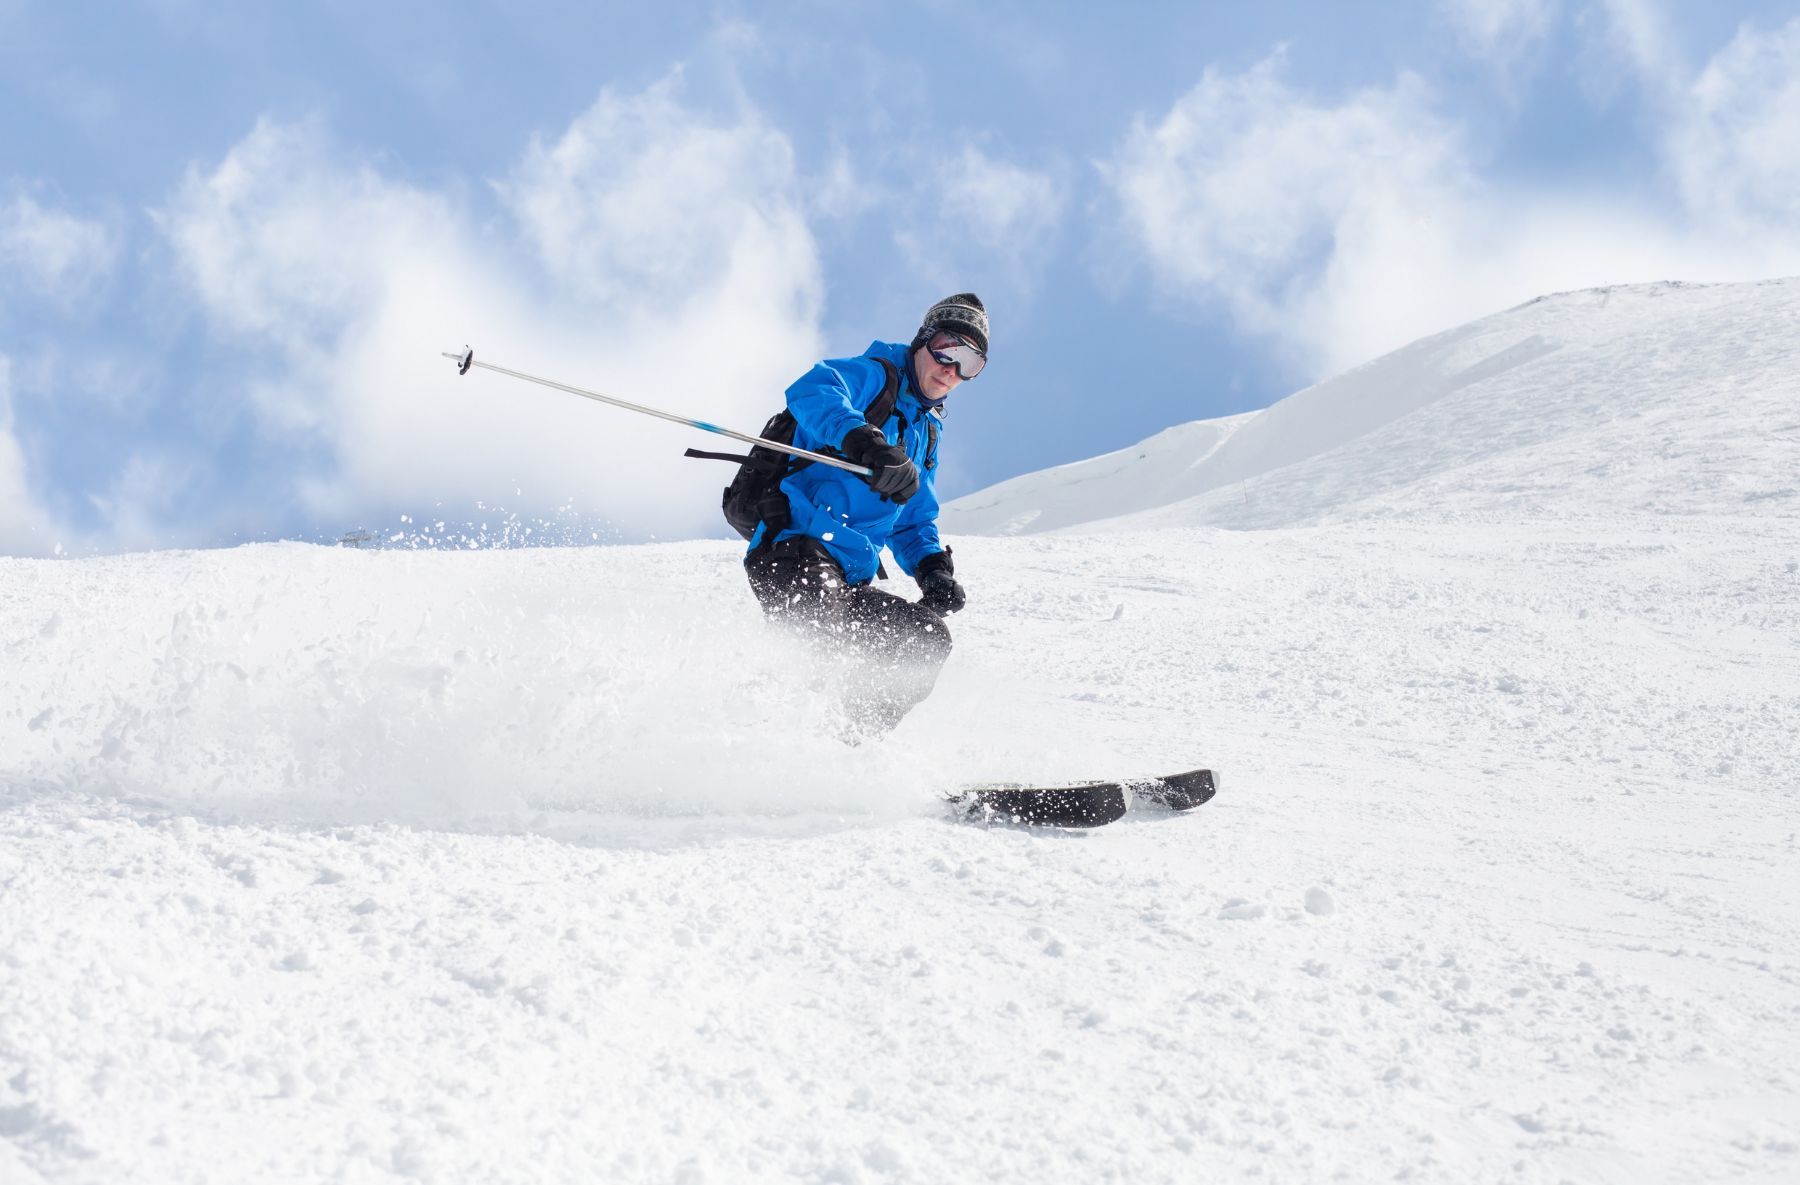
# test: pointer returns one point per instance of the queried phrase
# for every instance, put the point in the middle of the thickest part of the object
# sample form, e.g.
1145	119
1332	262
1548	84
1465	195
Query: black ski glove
895	477
942	594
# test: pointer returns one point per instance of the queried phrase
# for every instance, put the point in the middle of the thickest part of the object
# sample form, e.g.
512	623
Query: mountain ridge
1405	434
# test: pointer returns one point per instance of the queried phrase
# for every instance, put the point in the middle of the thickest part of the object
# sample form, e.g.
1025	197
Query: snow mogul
816	533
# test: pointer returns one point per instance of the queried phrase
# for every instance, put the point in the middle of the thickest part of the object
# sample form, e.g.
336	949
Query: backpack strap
755	498
703	455
879	411
882	406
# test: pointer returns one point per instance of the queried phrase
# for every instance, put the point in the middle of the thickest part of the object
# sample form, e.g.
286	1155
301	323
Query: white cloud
1638	31
984	207
641	197
140	498
284	244
1734	144
1728	133
1251	194
1342	230
25	528
109	378
53	255
841	193
1501	32
654	253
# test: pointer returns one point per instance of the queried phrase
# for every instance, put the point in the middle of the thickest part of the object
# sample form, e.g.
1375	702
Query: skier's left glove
937	581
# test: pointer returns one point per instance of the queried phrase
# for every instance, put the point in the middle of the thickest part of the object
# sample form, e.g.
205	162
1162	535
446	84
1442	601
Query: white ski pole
466	359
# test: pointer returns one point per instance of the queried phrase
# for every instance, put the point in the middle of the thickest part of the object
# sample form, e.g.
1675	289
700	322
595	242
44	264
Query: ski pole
466	359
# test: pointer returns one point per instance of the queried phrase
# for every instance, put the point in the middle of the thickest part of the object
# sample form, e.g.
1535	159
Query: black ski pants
891	649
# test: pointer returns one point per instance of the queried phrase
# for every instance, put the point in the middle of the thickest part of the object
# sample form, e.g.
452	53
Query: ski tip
467	360
1178	792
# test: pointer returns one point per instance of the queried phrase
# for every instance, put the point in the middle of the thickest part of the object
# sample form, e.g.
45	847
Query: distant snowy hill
1670	398
324	865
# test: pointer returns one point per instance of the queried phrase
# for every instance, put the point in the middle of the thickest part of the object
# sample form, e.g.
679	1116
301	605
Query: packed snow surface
327	865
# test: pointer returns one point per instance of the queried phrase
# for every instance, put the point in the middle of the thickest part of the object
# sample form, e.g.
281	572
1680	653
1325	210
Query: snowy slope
1666	397
320	865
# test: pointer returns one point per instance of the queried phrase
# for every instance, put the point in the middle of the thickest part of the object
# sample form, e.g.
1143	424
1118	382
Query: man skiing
813	566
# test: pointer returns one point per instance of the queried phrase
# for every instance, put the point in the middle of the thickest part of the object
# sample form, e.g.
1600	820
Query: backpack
754	495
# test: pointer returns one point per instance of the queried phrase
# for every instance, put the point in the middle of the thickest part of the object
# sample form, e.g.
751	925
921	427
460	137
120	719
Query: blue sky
233	238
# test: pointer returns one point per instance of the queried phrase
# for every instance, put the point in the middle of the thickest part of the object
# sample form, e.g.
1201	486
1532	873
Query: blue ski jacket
838	508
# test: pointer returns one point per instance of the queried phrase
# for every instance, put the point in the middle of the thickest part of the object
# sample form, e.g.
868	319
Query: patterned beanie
962	314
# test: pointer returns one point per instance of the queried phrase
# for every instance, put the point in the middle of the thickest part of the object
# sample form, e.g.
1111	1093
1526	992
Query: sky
235	240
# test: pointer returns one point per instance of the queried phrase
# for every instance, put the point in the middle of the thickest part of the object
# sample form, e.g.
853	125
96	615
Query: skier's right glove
896	477
937	582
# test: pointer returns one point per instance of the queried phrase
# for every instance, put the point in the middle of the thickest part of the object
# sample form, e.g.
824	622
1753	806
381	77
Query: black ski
1088	804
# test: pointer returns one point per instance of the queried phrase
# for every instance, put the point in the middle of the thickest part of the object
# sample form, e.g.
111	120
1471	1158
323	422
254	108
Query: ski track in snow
324	865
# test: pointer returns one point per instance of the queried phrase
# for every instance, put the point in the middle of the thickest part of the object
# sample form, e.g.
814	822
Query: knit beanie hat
962	314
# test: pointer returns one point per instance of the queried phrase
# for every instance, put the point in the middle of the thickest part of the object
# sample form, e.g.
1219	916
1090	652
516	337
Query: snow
325	865
1668	398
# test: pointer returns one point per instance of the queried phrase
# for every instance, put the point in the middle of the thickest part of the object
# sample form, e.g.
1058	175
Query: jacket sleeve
827	400
916	531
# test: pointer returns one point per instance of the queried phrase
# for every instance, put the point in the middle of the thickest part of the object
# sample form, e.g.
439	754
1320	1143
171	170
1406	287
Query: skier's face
937	379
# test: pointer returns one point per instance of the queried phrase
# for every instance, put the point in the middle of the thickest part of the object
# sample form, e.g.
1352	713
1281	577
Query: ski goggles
949	350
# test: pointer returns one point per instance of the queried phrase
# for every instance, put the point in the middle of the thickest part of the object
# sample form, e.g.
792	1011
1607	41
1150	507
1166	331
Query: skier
813	566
